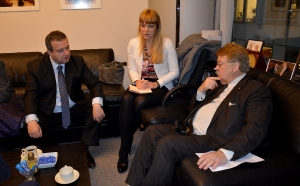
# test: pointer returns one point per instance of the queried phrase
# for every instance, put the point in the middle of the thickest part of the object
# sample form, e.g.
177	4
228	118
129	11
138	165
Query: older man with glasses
232	118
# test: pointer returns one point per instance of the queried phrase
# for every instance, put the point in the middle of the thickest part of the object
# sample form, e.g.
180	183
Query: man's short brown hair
54	35
236	53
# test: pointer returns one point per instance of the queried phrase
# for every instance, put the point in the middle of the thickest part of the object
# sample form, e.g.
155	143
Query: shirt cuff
31	117
200	96
227	153
98	100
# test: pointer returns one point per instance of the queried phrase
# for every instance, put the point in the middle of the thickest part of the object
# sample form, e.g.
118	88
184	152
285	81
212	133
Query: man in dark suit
4	84
228	126
53	95
274	69
285	72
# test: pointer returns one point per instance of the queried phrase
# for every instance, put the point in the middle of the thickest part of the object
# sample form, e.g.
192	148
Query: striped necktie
65	107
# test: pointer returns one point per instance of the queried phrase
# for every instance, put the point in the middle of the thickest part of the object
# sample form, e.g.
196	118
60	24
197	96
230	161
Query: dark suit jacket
287	73
4	169
241	121
40	93
4	84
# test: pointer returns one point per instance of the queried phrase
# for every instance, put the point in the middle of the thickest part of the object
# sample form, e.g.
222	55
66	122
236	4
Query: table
68	154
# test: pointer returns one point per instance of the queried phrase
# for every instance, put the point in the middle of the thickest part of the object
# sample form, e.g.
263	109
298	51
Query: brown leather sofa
280	149
16	70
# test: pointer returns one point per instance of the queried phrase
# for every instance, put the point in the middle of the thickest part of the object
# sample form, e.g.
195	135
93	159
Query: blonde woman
152	63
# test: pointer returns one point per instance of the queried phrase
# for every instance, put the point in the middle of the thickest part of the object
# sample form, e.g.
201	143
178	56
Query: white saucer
58	180
39	151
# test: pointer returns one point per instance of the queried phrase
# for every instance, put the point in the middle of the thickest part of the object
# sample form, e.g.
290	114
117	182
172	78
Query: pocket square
230	104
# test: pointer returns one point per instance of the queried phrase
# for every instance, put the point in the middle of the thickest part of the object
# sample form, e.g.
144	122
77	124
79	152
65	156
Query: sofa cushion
157	115
16	66
278	164
94	57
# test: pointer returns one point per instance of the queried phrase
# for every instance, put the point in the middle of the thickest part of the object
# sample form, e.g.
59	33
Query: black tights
131	106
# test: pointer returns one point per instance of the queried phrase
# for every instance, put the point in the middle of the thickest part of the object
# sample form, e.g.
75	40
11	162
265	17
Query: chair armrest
174	90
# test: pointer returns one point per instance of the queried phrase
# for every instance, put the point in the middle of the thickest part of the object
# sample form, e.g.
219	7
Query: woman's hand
145	84
153	85
142	84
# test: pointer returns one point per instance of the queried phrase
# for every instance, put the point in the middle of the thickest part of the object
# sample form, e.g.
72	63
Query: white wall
195	16
167	12
226	20
112	26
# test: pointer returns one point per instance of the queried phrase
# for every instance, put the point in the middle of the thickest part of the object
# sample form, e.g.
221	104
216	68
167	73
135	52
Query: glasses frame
219	64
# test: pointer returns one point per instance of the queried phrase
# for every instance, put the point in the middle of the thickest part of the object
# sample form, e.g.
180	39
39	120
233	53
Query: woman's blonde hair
149	16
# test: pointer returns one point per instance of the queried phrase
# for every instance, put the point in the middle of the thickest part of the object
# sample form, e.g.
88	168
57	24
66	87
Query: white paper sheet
249	158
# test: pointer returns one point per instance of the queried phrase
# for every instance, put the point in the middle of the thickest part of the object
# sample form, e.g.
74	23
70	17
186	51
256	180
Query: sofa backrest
94	57
286	116
284	130
16	66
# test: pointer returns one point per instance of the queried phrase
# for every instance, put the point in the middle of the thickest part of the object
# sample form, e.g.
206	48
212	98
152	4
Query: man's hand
98	113
213	159
210	83
34	129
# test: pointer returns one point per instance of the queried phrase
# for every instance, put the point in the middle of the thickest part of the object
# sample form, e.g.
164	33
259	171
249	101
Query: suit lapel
48	71
226	101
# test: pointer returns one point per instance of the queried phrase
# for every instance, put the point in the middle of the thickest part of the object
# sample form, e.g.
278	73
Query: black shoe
90	160
122	164
122	167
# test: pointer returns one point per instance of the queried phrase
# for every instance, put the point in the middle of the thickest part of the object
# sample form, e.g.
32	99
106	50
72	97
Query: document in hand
249	158
138	91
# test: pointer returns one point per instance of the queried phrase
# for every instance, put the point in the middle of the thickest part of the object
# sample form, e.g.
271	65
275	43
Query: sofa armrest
175	90
112	93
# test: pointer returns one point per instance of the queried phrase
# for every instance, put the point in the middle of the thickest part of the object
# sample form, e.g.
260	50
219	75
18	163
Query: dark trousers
159	150
78	112
131	106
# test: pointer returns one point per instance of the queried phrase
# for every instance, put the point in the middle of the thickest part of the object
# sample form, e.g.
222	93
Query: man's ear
236	66
49	52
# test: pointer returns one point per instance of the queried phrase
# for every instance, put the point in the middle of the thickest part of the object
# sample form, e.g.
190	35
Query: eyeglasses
222	63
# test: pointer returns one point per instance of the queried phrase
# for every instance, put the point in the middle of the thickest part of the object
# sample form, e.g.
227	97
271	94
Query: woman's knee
127	98
140	102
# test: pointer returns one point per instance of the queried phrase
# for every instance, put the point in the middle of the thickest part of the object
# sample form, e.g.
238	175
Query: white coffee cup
31	148
66	173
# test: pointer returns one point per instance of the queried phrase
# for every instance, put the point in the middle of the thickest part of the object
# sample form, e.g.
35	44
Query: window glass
276	22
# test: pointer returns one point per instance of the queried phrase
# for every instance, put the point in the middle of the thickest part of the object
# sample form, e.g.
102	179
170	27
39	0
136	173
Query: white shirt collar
55	65
235	81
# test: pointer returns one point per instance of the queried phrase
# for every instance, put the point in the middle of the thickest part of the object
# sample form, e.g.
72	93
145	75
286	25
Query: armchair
193	54
175	105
